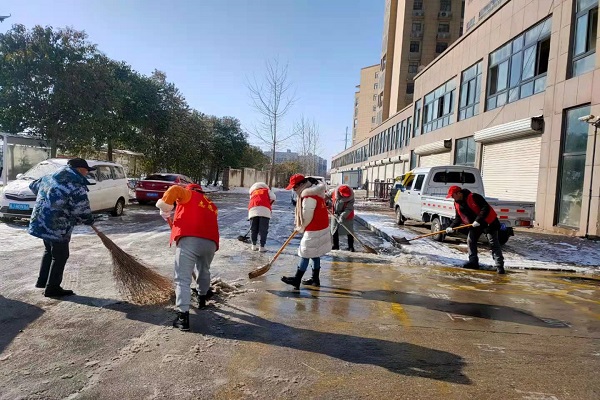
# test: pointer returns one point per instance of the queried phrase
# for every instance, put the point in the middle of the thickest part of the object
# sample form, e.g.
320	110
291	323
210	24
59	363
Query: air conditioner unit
445	14
418	13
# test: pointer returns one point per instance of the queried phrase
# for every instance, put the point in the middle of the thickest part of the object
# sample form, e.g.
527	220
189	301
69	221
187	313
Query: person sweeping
259	213
196	234
342	223
311	219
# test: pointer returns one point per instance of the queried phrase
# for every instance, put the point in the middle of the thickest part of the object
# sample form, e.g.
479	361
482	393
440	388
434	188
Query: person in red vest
259	213
311	219
472	208
342	207
196	234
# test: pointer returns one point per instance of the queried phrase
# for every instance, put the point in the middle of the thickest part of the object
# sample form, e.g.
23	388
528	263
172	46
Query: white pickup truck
422	197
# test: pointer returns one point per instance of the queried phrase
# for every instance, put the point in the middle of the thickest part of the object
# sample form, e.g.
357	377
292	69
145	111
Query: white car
319	178
108	192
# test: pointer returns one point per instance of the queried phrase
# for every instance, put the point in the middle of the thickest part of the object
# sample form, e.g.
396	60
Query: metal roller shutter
510	169
434	160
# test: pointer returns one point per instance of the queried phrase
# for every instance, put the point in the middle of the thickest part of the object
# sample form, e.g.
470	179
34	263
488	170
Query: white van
108	192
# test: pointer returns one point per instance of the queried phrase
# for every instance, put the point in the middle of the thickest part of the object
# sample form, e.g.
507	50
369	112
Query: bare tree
272	99
308	137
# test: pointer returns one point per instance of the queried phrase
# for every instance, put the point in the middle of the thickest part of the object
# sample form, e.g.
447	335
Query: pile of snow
227	289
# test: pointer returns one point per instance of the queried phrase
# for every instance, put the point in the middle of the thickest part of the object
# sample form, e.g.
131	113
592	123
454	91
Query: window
439	107
376	86
399	136
376	75
415	47
465	152
410	88
444	28
374	97
417	27
572	167
445	5
118	173
103	173
413	67
408	130
413	160
584	42
419	182
440	47
417	118
372	120
454	177
470	90
518	69
374	108
418	5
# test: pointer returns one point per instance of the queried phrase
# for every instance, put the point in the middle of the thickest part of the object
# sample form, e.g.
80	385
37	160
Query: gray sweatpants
192	252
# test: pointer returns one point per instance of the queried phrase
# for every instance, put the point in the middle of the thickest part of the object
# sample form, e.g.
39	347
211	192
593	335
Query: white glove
476	224
299	229
166	214
449	230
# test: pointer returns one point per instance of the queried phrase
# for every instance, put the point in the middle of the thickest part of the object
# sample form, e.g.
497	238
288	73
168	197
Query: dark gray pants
259	225
53	263
492	236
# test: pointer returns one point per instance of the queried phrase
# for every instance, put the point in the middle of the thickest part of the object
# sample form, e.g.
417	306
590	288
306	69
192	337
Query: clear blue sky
209	47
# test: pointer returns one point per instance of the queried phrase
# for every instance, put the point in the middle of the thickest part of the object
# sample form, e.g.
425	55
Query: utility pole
346	140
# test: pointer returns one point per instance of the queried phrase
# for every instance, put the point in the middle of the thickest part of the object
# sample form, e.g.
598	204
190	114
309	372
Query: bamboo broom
135	281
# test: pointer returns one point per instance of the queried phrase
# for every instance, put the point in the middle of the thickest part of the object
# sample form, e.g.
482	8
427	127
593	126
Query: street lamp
595	122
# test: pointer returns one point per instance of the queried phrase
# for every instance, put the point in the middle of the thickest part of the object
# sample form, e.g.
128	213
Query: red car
154	186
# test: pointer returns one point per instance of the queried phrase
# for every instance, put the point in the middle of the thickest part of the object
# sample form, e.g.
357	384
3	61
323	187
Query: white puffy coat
260	211
313	243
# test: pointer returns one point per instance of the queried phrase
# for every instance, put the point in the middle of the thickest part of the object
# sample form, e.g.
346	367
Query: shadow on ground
15	316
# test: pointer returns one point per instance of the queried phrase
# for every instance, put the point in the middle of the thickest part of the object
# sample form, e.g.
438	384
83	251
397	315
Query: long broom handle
283	247
438	232
351	234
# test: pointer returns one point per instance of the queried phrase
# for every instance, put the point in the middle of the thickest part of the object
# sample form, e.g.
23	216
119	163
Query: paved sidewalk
528	249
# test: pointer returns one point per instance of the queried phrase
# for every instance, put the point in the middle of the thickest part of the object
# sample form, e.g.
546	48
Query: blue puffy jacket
62	202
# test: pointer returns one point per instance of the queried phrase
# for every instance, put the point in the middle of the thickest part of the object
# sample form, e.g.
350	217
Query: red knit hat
345	190
294	180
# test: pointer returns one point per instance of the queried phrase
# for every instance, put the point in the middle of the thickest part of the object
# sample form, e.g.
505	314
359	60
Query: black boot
314	281
500	269
351	243
182	321
202	299
471	265
295	280
336	241
57	291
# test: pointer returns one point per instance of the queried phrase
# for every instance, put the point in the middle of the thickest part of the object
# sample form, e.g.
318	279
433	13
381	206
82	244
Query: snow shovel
403	240
262	270
245	237
368	249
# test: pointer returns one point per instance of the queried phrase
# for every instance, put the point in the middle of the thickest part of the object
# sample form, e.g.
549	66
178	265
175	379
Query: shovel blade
401	240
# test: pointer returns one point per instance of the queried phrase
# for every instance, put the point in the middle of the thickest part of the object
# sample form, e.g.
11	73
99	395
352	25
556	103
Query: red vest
260	198
320	219
198	218
473	206
350	216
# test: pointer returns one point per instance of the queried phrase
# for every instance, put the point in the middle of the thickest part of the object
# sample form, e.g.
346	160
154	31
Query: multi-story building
311	162
365	103
415	32
282	156
510	97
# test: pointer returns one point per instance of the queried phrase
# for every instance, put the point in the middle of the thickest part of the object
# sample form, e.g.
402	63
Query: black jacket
471	215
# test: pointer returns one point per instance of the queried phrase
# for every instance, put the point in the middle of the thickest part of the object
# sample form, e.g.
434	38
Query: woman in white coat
311	219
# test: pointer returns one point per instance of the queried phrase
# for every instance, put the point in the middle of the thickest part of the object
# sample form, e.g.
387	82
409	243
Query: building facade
365	103
415	32
507	97
313	164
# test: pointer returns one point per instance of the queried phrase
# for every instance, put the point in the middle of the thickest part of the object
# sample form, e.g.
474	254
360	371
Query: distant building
309	162
282	156
365	103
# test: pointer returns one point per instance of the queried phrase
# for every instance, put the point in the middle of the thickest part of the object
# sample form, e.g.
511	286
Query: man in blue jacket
62	202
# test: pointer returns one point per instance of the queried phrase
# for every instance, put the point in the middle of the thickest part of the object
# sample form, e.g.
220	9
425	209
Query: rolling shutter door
510	169
433	160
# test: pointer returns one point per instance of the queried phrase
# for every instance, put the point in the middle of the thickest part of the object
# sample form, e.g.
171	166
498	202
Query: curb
376	230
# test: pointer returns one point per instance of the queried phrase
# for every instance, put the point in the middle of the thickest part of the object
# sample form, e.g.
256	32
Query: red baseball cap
452	190
294	180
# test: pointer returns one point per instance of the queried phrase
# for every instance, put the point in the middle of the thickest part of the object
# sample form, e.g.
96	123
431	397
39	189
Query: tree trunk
53	147
109	151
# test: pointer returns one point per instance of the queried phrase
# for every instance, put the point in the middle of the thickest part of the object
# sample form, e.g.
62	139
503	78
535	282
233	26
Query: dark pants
53	263
259	225
492	235
336	240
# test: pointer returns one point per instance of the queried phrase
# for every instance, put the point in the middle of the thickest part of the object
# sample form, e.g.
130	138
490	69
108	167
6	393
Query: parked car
108	191
294	196
422	197
154	186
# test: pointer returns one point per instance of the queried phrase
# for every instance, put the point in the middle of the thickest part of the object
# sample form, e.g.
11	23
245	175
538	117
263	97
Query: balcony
416	34
443	35
414	56
445	15
418	13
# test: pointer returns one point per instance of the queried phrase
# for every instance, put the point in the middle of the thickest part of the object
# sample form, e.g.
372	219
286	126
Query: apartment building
510	97
415	32
365	103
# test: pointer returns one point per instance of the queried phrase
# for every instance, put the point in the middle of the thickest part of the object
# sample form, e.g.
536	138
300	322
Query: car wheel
503	237
118	209
399	217
436	226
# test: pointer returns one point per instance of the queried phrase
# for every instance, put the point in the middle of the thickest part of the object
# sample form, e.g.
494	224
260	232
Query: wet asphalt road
375	328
